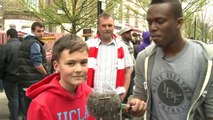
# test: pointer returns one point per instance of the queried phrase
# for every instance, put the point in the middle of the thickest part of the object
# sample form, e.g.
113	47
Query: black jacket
9	60
28	73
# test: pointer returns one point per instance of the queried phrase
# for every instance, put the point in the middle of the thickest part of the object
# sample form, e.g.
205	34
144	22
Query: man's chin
107	38
79	82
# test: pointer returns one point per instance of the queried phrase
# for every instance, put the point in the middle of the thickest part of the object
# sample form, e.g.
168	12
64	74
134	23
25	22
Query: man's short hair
104	15
35	24
12	33
71	42
175	5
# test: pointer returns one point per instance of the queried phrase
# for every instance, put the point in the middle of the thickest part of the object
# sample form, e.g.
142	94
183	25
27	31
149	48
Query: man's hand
41	69
136	107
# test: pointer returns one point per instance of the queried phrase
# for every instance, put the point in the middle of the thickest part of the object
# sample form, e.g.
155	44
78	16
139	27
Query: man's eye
161	21
84	63
103	25
149	23
109	25
71	64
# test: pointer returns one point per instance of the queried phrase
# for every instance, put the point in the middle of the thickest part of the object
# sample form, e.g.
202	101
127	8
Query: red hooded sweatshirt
50	101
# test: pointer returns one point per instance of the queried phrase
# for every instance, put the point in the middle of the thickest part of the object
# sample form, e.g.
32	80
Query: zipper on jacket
146	83
202	92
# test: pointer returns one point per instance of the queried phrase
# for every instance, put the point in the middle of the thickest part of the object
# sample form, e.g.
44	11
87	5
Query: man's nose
78	68
153	26
107	26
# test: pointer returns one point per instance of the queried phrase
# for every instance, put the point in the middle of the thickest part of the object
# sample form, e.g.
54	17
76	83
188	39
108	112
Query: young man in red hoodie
63	95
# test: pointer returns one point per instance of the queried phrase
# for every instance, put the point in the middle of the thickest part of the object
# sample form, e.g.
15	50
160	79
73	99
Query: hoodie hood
208	49
146	41
146	37
50	84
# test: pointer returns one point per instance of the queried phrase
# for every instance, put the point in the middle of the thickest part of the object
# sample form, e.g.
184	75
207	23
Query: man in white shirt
109	60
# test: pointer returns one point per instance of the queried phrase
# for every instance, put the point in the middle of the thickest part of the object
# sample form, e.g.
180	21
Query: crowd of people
164	76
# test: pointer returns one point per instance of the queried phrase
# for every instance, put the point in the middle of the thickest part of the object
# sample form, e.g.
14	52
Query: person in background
146	41
126	35
136	42
32	61
109	60
63	95
9	72
173	76
136	38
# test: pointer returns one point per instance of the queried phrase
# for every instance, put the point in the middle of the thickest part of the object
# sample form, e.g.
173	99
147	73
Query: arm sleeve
35	54
37	112
139	91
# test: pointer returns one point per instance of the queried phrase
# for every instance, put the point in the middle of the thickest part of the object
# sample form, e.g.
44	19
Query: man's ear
179	22
56	66
8	37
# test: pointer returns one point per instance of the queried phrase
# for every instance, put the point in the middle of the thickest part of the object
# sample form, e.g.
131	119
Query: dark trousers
24	103
1	86
129	94
132	83
11	91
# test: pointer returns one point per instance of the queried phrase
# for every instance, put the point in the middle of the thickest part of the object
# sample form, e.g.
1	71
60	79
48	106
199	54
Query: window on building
26	28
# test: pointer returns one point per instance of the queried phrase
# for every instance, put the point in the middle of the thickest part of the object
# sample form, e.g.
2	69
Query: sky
209	10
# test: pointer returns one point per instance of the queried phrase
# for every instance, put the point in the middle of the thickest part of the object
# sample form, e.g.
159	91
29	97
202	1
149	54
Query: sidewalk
4	112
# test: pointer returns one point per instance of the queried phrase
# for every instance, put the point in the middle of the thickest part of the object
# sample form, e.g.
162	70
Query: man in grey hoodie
173	77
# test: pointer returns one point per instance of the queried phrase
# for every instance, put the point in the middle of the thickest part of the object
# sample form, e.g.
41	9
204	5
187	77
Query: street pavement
4	112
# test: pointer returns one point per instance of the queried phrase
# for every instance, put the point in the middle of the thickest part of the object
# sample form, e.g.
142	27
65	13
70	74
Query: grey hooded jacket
202	101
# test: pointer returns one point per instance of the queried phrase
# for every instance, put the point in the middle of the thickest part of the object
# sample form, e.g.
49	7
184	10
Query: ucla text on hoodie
68	115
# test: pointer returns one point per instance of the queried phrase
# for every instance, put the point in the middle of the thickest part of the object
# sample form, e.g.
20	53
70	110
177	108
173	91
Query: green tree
199	25
8	5
79	14
190	9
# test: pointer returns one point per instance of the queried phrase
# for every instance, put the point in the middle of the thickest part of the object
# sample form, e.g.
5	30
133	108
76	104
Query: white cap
125	29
